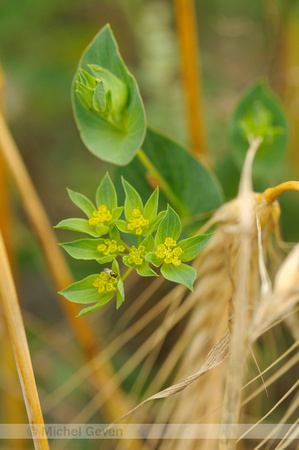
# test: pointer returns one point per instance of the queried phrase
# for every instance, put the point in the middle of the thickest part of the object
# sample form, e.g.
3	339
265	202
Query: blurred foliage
40	43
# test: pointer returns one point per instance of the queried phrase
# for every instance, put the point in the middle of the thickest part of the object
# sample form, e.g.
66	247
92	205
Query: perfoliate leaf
192	246
82	202
117	135
106	194
181	274
84	291
82	226
133	200
259	114
170	226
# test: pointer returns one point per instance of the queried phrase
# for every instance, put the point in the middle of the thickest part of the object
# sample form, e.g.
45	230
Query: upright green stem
170	195
127	273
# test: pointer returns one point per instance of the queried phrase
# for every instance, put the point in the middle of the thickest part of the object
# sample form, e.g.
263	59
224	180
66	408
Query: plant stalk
190	65
58	267
271	194
168	192
17	335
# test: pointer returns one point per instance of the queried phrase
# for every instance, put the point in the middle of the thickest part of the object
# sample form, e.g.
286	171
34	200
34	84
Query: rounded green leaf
170	226
115	141
195	186
259	114
181	274
151	206
153	259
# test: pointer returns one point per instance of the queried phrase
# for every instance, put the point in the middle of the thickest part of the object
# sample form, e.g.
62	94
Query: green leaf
152	258
145	271
259	114
148	243
117	212
84	249
105	259
82	226
82	202
132	201
192	183
120	293
151	207
156	222
123	226
181	274
192	246
169	227
84	291
99	305
106	193
117	140
99	98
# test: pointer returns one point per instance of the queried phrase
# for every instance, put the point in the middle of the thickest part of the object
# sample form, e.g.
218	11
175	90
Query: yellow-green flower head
169	251
101	217
137	222
105	283
110	247
137	255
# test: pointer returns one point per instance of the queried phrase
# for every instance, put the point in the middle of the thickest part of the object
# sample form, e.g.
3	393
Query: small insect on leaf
110	272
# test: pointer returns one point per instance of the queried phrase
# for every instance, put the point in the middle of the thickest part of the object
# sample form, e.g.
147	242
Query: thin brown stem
190	65
17	335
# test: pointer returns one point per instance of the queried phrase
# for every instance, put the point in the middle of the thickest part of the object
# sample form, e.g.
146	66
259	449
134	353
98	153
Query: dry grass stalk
58	268
18	340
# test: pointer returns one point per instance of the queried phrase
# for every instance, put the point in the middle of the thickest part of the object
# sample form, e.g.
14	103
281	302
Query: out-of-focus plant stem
190	65
164	186
12	403
16	331
57	265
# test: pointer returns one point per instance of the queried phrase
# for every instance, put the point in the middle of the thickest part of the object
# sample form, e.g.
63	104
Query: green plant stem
170	195
127	273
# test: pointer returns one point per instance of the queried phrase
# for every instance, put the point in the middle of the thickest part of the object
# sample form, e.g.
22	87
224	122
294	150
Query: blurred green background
40	46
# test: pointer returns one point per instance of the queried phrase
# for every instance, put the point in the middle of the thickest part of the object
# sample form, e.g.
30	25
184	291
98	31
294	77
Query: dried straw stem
58	267
190	63
18	340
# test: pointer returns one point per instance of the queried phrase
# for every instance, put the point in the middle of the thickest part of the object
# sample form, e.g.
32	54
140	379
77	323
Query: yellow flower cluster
105	283
169	251
137	221
100	216
137	255
110	247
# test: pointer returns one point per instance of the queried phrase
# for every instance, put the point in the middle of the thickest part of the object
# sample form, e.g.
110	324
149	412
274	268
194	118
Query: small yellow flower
137	255
105	283
169	251
101	217
137	222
